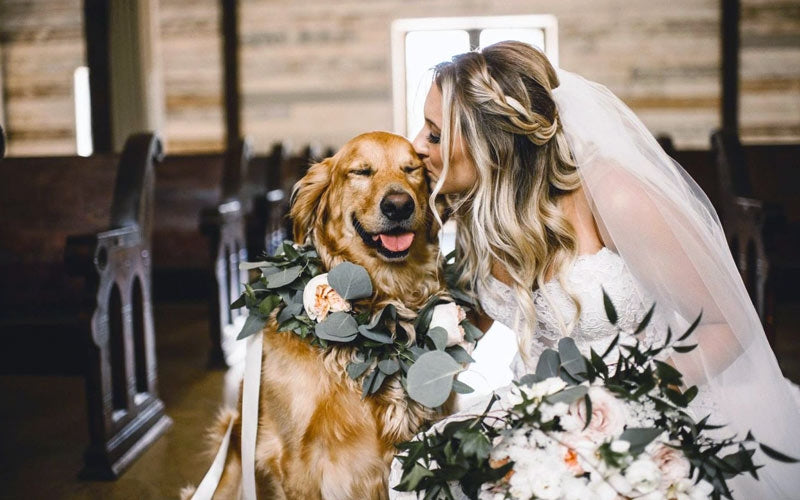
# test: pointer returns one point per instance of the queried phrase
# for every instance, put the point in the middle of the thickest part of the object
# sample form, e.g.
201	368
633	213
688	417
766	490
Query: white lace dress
556	309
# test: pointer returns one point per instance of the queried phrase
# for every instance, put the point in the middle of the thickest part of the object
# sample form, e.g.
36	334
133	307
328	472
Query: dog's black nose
397	206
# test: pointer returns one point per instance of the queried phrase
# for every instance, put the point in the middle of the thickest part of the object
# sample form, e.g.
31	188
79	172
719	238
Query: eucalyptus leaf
366	385
351	281
253	324
439	337
289	251
268	304
289	312
639	437
471	332
356	369
283	278
417	351
571	358
337	327
530	379
430	378
569	395
269	270
380	376
246	266
377	336
459	354
462	388
389	366
548	364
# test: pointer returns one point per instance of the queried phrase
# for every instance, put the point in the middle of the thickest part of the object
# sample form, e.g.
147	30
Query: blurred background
150	146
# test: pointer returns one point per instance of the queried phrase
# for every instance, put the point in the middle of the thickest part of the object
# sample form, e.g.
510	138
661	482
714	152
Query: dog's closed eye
411	169
366	171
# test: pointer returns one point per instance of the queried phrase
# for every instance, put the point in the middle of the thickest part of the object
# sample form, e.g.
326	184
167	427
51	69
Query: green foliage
381	345
458	452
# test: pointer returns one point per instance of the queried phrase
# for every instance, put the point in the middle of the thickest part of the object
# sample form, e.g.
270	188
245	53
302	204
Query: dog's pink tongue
397	242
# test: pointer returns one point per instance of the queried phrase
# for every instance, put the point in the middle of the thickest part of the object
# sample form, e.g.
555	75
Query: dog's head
368	204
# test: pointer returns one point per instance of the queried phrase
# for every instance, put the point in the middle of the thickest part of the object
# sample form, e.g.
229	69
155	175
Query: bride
560	192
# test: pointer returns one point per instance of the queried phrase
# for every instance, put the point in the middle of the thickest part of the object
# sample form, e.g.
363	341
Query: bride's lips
393	244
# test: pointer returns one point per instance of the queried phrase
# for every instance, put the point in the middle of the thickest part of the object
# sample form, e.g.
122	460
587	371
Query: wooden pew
75	293
761	185
199	239
270	216
754	190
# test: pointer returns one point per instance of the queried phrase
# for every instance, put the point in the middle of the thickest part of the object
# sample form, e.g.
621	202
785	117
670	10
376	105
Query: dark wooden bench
754	190
280	170
75	293
766	223
199	239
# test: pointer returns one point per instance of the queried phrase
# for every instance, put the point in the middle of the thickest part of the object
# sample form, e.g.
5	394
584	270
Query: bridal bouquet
578	428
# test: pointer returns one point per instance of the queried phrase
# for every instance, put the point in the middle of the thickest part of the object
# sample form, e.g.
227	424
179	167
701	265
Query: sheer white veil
658	220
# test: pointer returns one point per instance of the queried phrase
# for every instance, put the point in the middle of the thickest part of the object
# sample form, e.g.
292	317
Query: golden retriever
317	437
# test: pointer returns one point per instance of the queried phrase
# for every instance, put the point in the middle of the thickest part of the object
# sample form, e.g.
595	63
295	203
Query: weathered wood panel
320	70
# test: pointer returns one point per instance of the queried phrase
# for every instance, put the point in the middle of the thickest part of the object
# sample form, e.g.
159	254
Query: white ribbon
207	487
251	384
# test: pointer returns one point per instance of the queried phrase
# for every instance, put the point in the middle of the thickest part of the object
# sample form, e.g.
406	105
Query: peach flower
319	298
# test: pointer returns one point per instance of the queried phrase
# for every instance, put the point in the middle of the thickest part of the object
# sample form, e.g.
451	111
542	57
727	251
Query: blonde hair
498	101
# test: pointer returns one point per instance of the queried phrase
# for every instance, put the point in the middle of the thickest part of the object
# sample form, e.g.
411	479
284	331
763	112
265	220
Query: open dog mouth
392	244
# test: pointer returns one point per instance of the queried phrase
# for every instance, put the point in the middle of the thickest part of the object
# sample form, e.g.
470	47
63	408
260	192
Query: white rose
673	464
601	490
620	446
574	488
643	475
549	412
608	415
448	316
319	298
620	483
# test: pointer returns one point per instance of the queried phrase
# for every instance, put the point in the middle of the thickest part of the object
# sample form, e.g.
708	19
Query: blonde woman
559	191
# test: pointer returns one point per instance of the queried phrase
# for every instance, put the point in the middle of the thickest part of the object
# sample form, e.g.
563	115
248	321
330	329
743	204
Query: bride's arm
674	264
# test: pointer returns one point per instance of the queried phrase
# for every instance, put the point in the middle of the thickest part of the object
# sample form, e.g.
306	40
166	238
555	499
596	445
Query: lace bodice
556	309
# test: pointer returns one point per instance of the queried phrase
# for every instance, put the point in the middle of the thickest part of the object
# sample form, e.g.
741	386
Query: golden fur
317	437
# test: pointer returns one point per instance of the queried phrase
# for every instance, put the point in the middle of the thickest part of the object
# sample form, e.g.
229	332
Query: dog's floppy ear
306	197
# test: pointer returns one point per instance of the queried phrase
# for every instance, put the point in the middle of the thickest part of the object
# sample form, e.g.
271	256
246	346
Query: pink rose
608	415
673	464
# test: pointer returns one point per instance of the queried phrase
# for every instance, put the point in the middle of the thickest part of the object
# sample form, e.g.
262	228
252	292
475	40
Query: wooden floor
43	429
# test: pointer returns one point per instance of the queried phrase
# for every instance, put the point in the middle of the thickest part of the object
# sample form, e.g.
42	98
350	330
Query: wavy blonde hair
499	102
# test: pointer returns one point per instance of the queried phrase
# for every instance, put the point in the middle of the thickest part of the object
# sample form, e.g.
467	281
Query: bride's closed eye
433	139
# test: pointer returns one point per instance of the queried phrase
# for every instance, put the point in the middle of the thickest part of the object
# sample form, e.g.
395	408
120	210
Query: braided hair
499	102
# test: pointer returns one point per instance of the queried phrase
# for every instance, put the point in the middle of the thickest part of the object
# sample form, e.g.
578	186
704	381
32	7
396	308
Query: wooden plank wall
320	69
42	44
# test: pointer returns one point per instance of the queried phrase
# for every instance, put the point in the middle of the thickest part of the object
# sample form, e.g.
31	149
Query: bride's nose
421	145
